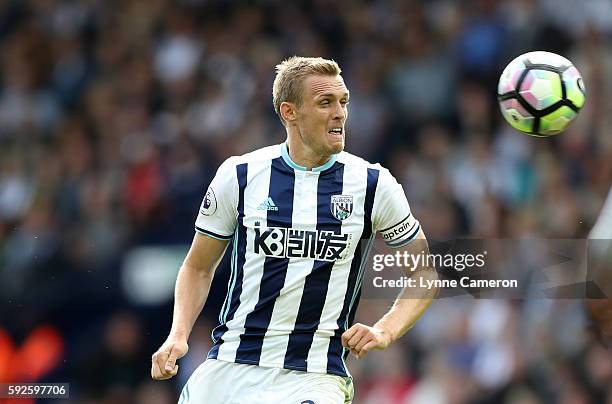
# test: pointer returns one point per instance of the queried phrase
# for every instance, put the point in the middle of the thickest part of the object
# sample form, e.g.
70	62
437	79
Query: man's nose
339	112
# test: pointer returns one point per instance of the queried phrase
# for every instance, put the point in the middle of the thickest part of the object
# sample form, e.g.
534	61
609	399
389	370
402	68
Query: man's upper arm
418	246
205	253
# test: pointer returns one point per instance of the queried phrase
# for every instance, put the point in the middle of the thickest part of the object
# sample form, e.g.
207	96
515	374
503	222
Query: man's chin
336	147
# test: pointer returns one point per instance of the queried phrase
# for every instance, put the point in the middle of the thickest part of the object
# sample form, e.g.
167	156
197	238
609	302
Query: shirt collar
295	166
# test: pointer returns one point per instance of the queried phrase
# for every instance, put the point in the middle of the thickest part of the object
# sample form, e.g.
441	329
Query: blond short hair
290	75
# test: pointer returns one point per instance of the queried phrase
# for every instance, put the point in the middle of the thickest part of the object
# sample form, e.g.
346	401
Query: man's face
323	113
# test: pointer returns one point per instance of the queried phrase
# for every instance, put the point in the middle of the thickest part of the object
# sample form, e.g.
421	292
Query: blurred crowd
114	116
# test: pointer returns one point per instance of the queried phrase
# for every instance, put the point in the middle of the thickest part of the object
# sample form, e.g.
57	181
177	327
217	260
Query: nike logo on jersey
268	204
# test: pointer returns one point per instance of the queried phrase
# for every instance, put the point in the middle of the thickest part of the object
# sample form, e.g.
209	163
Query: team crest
342	206
209	204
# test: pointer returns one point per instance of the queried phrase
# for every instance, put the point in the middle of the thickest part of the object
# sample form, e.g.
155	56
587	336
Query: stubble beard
337	148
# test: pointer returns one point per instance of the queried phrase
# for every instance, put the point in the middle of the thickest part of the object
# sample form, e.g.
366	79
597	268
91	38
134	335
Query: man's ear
288	111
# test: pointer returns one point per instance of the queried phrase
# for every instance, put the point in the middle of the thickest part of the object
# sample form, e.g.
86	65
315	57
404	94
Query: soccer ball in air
540	93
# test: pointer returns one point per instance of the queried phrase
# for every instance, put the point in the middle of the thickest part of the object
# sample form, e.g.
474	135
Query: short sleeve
218	211
391	215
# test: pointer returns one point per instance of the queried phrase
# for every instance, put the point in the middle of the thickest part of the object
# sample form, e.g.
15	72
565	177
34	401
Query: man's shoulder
264	154
353	160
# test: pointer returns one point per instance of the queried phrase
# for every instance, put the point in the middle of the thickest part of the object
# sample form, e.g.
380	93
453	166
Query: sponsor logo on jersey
209	204
281	242
341	206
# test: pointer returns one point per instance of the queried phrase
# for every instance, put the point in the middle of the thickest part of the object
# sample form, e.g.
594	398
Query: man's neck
303	156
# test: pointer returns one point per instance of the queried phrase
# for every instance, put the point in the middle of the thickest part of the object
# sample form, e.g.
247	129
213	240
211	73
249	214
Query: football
540	93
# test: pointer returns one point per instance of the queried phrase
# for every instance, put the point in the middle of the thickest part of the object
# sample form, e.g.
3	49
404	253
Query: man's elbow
199	271
432	276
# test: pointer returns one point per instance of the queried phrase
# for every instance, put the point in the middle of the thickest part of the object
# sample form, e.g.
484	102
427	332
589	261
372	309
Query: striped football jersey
299	239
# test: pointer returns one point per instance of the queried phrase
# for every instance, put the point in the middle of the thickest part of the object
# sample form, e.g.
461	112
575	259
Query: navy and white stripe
281	190
317	282
232	300
337	353
289	311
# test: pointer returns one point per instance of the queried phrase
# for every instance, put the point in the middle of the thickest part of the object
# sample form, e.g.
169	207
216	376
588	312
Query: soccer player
300	217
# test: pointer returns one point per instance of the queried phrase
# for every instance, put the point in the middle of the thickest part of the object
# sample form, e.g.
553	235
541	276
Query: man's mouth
335	131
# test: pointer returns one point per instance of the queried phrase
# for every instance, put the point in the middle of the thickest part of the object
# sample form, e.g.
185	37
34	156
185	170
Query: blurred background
114	116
